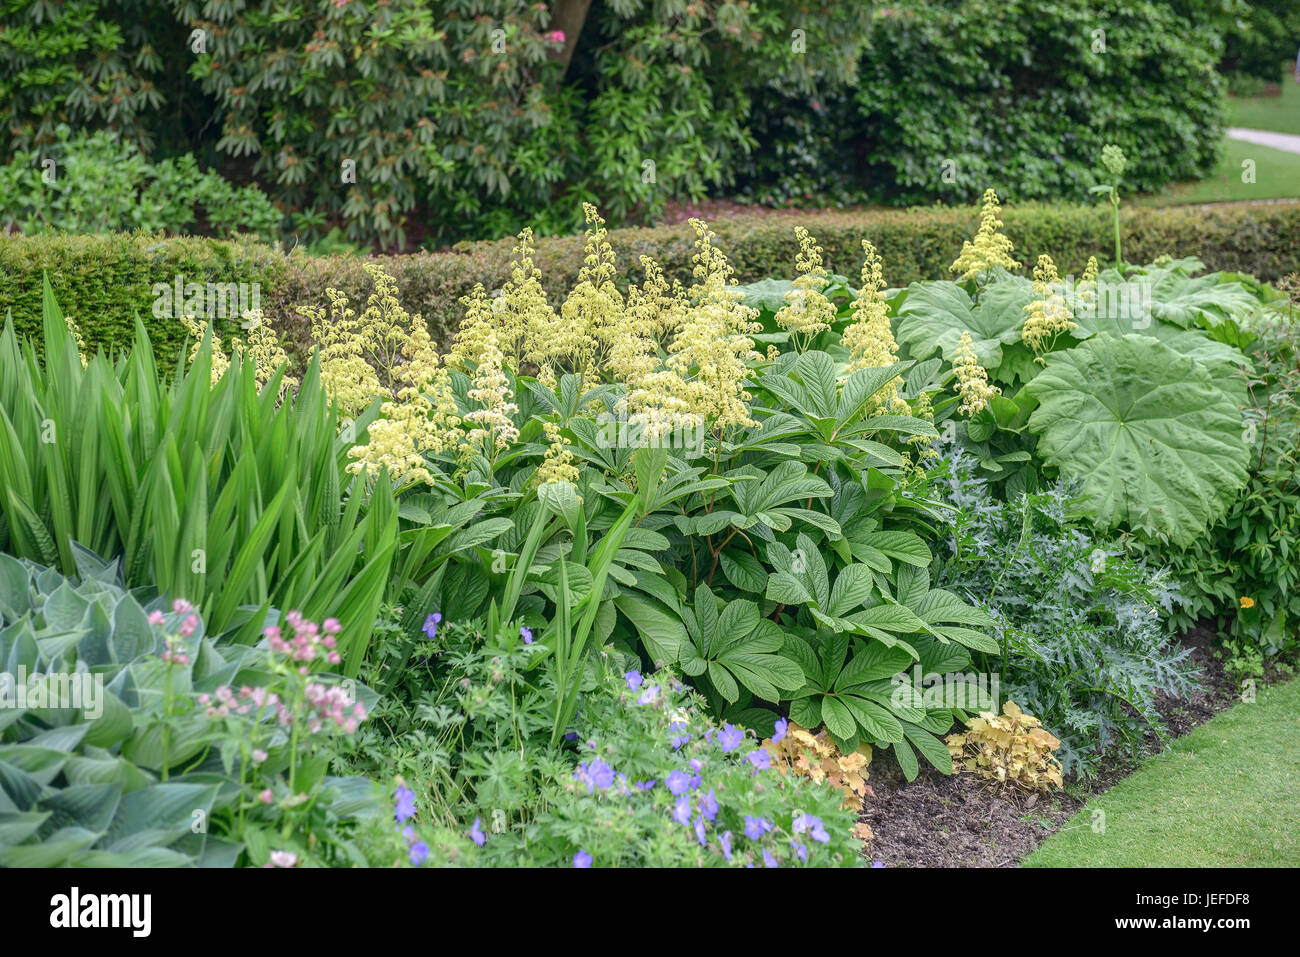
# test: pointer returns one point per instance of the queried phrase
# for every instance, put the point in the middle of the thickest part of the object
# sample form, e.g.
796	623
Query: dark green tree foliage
958	94
81	62
412	121
1259	40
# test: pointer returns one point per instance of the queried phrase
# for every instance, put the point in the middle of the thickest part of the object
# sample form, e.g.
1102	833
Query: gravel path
1278	141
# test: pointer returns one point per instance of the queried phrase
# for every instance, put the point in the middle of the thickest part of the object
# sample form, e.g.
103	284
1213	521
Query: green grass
1277	176
1281	114
1223	796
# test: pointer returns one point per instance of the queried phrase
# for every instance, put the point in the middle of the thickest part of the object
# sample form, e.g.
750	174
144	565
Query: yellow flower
494	426
972	379
807	311
557	465
347	377
1247	602
870	338
1085	294
991	248
422	419
710	354
591	316
263	349
220	363
76	337
1048	315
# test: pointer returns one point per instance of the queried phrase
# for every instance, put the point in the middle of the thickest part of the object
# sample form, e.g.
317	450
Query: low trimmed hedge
109	278
103	281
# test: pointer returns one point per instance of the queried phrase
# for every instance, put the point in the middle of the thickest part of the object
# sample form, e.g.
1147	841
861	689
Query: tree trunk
568	16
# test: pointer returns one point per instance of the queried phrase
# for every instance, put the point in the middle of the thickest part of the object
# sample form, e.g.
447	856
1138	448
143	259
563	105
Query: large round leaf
1156	443
935	314
1222	361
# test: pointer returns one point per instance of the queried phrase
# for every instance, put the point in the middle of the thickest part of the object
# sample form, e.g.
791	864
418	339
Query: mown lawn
1277	176
1281	114
1223	796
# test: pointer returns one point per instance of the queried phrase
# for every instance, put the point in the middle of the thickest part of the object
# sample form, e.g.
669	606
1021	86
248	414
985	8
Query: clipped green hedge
105	279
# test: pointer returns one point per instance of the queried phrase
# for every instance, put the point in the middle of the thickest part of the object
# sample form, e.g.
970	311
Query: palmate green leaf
1224	363
1156	444
661	630
935	314
1187	300
861	385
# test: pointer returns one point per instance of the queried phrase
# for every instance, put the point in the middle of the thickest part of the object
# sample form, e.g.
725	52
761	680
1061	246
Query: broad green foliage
1139	393
657	782
408	121
1156	444
217	493
987	91
101	186
1082	626
142	776
1251	553
1180	297
470	117
80	62
784	510
935	314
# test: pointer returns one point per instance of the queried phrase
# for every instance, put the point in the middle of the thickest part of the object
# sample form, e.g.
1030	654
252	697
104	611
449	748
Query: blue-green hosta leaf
15	593
52	851
16	827
935	315
1155	442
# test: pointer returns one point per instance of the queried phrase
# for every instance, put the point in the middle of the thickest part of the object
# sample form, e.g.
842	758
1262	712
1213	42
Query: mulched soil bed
965	821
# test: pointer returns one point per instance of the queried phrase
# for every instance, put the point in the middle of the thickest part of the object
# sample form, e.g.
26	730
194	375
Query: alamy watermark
683	431
205	300
79	689
965	690
1109	300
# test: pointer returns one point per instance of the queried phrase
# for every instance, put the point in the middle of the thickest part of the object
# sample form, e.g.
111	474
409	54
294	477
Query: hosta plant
131	771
